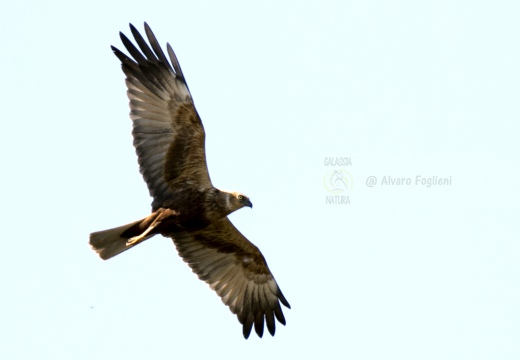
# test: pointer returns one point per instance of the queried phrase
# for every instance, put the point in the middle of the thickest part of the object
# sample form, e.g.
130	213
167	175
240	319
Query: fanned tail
111	242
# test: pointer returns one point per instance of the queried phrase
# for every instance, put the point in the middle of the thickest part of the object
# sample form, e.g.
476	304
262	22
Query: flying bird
169	140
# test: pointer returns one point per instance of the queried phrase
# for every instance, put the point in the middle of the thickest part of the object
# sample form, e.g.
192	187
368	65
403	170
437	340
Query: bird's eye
240	197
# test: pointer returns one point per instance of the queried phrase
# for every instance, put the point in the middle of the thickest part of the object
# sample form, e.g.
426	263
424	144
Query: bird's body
169	139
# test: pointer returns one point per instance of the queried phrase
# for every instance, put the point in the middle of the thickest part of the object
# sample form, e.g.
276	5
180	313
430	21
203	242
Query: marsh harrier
169	141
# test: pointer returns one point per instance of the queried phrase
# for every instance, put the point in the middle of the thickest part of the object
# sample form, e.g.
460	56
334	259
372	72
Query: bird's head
236	200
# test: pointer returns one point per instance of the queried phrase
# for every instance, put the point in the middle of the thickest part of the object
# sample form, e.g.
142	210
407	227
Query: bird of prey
169	142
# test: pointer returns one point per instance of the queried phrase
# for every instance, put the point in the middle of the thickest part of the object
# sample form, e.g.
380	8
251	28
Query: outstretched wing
168	133
236	269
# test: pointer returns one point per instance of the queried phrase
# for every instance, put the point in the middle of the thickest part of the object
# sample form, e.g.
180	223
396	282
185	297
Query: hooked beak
248	203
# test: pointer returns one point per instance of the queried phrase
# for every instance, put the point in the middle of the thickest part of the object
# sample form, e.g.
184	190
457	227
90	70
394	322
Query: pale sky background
402	88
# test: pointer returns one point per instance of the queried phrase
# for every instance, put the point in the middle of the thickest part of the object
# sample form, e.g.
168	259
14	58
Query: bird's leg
137	239
156	219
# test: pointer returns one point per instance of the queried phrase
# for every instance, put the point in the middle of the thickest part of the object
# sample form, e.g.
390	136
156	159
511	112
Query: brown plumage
169	141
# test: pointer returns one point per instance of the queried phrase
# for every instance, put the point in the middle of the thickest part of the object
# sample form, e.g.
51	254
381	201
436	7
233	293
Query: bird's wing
168	133
236	269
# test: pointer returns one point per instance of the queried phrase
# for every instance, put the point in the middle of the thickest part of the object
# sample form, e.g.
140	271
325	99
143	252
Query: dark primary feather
155	45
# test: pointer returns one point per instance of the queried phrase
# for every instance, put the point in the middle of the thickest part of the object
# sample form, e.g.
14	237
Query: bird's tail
111	242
